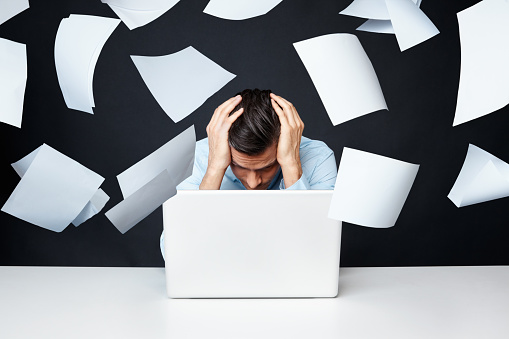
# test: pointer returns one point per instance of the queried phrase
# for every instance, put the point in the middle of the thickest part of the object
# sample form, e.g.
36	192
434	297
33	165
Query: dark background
420	87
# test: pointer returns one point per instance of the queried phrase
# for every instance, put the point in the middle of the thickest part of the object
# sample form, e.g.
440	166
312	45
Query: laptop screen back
227	244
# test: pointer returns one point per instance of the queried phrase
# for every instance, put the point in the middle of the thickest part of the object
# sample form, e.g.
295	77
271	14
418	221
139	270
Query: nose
253	179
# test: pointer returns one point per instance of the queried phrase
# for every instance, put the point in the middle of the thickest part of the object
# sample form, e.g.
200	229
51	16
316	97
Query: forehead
254	162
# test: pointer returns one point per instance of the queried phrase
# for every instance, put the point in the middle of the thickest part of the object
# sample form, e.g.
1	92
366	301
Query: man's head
253	139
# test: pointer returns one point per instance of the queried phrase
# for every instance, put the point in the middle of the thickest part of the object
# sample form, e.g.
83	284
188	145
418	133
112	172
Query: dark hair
258	127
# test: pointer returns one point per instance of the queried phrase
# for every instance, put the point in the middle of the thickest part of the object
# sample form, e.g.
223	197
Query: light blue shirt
317	160
318	171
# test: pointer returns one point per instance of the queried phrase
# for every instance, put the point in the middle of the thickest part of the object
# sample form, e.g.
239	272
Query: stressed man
255	142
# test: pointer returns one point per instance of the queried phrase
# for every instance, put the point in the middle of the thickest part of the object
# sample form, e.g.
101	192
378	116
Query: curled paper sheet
53	191
483	89
370	189
239	9
141	203
483	177
380	26
13	77
93	207
137	13
154	178
11	8
181	82
343	76
403	18
78	44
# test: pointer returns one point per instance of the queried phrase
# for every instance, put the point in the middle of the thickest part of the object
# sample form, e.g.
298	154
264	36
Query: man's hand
219	149
288	155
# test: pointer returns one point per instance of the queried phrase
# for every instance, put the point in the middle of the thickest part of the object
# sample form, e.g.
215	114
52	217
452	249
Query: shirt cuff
301	184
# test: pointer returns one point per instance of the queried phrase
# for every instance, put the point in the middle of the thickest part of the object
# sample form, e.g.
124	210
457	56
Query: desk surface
424	302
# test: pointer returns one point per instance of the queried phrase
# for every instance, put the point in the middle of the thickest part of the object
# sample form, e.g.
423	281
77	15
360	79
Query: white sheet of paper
13	77
53	190
181	82
239	9
380	26
370	9
137	13
483	89
21	166
411	25
377	26
176	156
483	177
401	17
343	76
370	189
78	43
153	180
11	8
141	203
93	207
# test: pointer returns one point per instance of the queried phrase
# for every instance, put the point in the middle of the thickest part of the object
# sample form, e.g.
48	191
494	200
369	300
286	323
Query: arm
288	155
319	169
219	149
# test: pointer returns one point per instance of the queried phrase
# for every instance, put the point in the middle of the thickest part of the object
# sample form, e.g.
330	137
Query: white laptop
251	244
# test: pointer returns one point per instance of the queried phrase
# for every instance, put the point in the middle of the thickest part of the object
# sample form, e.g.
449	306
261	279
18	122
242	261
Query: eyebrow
258	169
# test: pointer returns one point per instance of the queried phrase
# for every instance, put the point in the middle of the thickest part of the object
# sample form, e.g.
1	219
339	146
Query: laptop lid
249	244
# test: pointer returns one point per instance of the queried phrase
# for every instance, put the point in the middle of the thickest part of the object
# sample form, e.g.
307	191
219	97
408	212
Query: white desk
427	302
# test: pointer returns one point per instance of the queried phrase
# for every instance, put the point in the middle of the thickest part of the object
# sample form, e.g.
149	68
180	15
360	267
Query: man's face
255	172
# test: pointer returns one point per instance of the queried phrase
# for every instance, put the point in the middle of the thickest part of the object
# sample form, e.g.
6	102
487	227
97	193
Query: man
255	142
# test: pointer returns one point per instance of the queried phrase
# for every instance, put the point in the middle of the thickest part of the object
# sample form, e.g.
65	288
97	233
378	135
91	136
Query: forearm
212	179
292	172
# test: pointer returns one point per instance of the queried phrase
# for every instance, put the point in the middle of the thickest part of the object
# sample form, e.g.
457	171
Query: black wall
420	87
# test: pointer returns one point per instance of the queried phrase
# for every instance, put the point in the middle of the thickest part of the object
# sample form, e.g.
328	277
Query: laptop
251	244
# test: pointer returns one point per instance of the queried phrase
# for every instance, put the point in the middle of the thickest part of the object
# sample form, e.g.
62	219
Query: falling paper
401	17
380	26
239	9
94	206
137	13
78	44
343	76
370	189
13	77
11	8
483	177
183	81
154	178
483	88
141	203
53	190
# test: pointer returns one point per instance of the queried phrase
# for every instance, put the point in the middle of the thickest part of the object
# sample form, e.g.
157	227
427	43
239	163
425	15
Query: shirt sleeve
325	173
193	182
318	171
301	184
199	167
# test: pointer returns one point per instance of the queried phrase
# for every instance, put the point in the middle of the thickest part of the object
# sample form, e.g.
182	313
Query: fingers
286	111
282	117
224	109
227	106
234	116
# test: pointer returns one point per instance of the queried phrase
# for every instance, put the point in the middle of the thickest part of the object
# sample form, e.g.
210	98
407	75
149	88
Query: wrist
212	179
291	165
291	173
